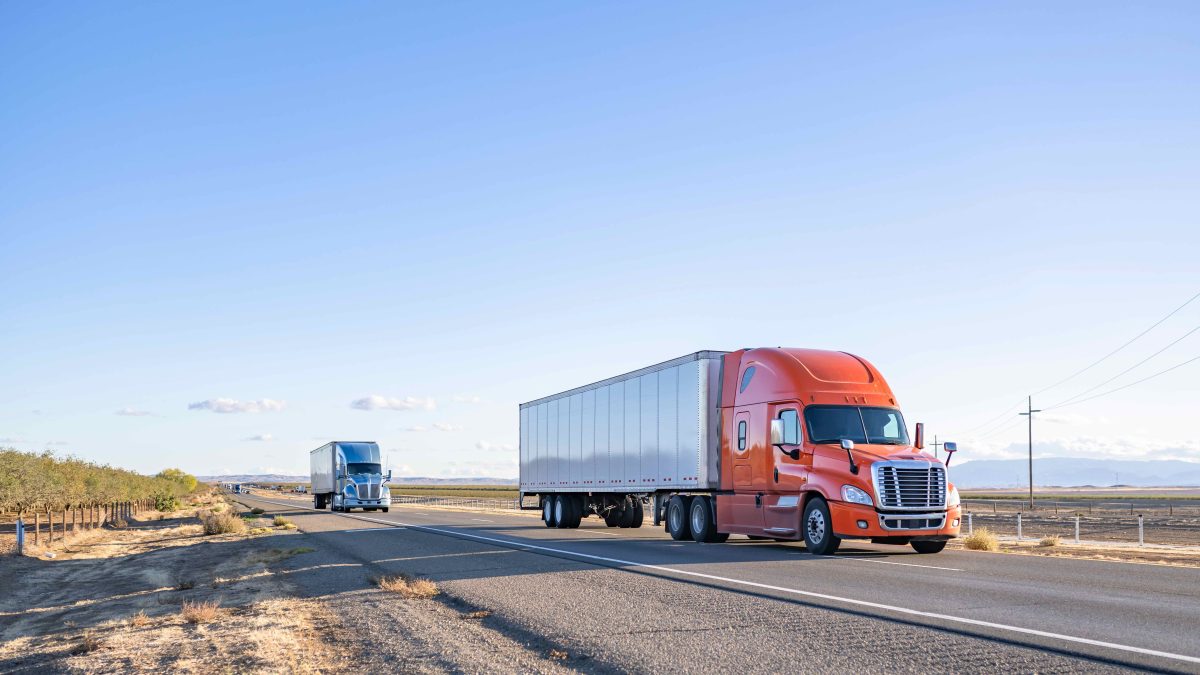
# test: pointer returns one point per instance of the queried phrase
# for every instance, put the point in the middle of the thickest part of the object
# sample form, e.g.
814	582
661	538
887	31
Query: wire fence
1137	529
1090	507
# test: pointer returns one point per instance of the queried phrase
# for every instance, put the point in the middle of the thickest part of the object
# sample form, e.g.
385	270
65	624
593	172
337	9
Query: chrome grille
910	485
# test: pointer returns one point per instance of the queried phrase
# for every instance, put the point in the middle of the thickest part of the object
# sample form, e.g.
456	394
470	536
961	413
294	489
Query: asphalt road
635	600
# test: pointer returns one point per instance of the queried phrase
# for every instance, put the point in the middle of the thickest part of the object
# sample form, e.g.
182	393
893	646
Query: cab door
746	502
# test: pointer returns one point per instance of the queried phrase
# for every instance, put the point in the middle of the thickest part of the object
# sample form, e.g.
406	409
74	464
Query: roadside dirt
117	601
1178	557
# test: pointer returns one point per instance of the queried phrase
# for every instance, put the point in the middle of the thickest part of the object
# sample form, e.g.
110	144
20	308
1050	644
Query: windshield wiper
889	441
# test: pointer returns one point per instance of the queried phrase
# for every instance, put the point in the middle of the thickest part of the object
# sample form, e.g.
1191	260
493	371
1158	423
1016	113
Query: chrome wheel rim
547	511
558	510
676	518
816	526
697	519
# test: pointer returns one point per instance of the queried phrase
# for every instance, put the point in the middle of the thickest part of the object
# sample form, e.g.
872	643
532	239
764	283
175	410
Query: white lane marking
889	562
483	520
363	529
795	591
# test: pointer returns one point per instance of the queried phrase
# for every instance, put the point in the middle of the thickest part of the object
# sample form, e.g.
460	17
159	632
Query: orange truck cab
771	443
814	447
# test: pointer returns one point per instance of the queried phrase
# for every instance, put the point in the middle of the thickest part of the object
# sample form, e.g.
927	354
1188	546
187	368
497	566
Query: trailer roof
696	356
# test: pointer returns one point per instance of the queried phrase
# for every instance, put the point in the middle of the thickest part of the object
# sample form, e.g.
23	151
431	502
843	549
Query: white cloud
445	426
57	443
13	440
229	405
377	402
417	428
1080	447
467	399
266	438
133	412
502	447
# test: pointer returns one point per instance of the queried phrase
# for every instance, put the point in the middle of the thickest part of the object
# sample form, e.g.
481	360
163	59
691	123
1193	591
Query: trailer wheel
636	514
819	538
677	518
576	516
384	509
927	546
562	511
611	518
548	511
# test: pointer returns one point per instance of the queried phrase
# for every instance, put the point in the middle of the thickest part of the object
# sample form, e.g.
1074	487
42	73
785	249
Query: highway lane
1132	614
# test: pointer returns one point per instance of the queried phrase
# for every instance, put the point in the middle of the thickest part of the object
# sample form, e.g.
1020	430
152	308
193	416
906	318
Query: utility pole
1029	414
936	445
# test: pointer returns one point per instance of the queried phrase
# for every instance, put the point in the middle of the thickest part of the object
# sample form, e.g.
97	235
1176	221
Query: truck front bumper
864	522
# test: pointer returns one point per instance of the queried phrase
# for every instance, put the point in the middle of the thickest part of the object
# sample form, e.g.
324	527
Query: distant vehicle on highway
349	475
300	489
782	444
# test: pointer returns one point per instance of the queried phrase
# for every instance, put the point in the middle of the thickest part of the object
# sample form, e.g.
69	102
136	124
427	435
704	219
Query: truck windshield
362	467
832	423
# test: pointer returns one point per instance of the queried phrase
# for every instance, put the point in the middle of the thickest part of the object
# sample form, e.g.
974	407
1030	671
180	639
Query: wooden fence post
50	523
37	528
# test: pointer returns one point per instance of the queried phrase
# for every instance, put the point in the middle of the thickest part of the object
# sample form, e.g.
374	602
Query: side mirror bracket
779	439
950	447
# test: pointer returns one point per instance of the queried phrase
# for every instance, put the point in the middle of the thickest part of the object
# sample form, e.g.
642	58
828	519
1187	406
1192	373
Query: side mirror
779	438
919	443
950	447
389	476
848	446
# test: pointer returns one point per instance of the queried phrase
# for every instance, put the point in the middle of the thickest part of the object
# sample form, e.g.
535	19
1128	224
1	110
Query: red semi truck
772	443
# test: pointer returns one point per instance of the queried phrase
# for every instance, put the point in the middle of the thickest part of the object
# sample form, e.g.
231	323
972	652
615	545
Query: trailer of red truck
775	443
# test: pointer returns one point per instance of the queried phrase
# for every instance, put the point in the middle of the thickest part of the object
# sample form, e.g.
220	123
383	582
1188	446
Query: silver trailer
617	442
347	475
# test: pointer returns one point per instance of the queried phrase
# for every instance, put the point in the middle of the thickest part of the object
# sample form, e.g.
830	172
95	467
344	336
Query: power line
1088	391
1106	356
1126	386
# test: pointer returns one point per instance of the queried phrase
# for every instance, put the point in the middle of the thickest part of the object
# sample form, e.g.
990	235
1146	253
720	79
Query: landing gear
818	528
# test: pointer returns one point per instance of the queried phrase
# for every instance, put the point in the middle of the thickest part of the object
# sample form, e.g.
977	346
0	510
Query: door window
791	426
742	436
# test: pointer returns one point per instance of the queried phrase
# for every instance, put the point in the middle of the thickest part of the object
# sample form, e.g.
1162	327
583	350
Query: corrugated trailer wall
650	429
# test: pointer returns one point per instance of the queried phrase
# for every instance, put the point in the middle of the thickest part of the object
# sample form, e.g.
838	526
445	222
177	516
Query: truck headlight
952	499
856	496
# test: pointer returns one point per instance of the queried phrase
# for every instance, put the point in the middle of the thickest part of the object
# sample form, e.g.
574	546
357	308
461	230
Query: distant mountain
396	480
1071	472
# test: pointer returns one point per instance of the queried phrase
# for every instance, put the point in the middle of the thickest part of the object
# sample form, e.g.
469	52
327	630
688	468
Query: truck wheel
818	528
637	514
611	518
384	509
548	511
562	511
702	524
677	518
576	504
927	546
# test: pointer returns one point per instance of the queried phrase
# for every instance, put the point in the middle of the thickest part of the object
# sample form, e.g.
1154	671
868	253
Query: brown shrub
407	586
199	612
140	619
222	523
982	540
1054	540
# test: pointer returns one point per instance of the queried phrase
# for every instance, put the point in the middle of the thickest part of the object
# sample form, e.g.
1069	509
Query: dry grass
222	523
1050	541
286	524
558	654
981	540
406	586
481	614
200	612
139	620
87	644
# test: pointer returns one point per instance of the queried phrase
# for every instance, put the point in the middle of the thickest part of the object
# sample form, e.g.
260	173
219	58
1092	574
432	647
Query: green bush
163	502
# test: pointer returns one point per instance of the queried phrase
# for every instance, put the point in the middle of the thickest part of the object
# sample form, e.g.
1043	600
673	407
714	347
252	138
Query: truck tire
576	504
548	511
819	538
927	546
612	518
678	525
384	509
637	514
563	506
702	522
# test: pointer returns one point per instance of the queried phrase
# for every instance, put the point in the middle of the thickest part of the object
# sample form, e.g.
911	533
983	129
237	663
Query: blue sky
457	207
